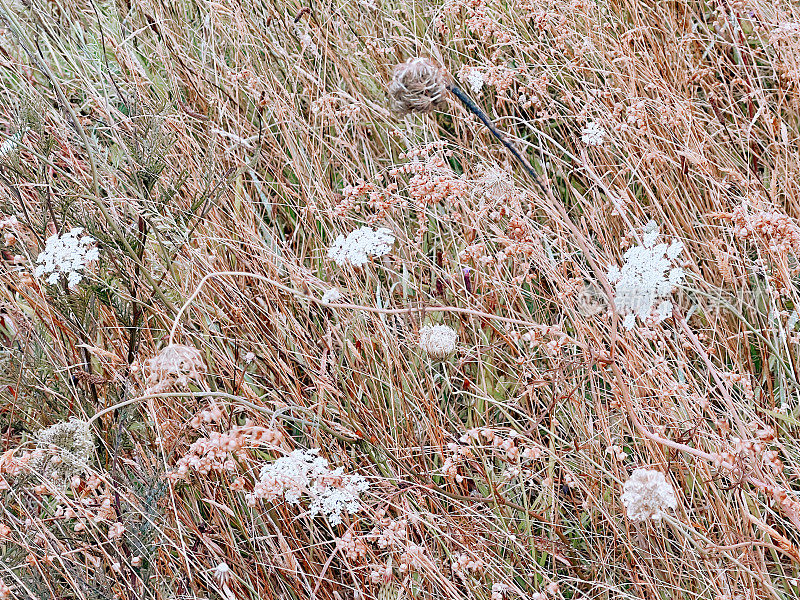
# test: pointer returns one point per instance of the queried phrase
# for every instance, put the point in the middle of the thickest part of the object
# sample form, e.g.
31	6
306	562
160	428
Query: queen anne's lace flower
305	473
359	245
647	495
474	78
593	134
646	278
438	341
67	255
332	295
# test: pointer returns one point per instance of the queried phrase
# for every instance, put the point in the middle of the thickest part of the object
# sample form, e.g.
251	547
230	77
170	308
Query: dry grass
192	138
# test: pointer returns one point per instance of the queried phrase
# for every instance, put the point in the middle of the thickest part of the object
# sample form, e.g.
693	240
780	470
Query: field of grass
515	320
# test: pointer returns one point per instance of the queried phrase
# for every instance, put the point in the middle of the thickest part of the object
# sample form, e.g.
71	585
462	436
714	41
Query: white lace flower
474	78
67	255
593	134
303	473
646	279
438	341
332	295
648	495
359	245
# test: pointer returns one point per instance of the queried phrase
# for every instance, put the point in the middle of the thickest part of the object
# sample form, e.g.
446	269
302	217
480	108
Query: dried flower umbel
11	144
648	495
175	365
438	341
418	86
63	451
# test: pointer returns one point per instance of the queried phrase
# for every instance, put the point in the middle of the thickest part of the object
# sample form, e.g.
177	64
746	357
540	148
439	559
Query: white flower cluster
67	255
64	450
359	245
593	134
303	472
438	341
474	78
647	495
331	295
646	278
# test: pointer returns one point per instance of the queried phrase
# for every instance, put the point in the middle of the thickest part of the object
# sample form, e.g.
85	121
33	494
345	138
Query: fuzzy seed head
332	295
438	341
222	573
648	495
418	86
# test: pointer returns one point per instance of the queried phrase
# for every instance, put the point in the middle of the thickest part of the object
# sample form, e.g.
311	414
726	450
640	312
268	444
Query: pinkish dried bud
418	86
175	365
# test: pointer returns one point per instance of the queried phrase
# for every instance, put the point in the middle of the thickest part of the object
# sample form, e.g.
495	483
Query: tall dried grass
192	138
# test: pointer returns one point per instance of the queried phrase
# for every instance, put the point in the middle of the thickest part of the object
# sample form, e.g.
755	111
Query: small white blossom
473	78
438	341
647	495
222	573
332	295
67	255
646	279
303	473
359	245
593	134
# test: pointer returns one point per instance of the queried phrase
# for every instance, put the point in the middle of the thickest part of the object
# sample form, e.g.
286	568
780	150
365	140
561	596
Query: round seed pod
418	86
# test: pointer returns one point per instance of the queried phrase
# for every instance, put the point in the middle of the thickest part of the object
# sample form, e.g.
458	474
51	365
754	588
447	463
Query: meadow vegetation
280	320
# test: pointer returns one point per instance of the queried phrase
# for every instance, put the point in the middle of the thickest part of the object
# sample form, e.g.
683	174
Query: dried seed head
418	86
222	573
438	341
64	450
648	495
175	365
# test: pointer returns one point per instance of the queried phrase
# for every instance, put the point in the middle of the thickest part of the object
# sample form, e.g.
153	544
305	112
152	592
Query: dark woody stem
478	112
